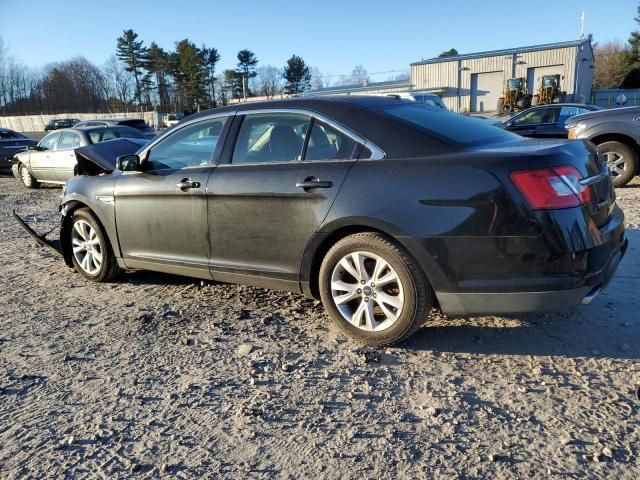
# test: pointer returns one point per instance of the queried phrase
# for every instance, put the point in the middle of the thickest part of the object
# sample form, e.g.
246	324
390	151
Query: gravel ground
163	376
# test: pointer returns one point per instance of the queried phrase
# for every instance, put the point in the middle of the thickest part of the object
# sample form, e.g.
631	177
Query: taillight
548	188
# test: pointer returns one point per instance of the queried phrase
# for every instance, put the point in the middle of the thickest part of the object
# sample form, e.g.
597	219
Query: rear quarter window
450	128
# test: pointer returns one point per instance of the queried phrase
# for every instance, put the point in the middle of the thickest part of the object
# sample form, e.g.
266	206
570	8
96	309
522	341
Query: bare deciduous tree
611	65
268	81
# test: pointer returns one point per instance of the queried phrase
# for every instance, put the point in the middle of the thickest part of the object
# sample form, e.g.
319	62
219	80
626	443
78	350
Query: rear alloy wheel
91	253
28	180
373	290
621	159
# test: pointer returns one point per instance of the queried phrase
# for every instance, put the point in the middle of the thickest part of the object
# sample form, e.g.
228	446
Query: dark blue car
546	121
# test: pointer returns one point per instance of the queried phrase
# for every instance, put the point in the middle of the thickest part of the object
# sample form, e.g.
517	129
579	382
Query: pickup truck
616	134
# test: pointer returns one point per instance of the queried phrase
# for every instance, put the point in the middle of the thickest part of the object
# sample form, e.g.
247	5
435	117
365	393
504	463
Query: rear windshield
111	133
135	123
450	128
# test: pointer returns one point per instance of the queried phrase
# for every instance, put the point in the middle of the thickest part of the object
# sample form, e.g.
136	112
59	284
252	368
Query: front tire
91	252
373	290
621	159
28	180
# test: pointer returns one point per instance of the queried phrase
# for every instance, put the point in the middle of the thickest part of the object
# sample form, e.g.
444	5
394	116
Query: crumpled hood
101	157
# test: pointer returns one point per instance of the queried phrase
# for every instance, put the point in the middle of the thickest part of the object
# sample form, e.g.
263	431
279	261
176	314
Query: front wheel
91	253
622	161
373	290
28	180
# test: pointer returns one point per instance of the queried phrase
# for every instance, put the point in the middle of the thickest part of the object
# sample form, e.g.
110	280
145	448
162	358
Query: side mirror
34	147
128	163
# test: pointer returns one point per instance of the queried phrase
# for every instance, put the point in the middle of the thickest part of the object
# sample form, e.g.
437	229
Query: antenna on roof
582	25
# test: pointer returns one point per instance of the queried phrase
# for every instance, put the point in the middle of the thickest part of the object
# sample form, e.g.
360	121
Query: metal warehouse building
474	82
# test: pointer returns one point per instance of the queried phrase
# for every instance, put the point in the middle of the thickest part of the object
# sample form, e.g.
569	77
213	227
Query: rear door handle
314	182
186	184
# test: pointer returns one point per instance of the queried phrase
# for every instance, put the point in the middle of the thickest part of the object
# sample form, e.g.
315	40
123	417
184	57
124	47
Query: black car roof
346	102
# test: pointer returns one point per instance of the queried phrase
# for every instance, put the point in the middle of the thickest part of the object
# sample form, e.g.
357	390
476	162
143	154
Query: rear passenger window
271	137
68	140
328	143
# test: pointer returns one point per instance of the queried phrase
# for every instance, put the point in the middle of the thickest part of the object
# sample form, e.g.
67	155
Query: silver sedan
53	159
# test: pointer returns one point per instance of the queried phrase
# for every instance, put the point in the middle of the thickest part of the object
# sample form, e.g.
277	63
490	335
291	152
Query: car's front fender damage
41	239
61	248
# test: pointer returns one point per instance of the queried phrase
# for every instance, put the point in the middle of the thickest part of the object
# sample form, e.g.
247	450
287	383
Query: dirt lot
150	377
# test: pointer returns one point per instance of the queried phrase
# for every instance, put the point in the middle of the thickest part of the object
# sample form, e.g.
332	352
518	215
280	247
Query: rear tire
376	315
28	180
622	160
91	252
507	108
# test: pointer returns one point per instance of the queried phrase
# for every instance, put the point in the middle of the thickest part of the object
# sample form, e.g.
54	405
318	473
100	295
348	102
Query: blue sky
331	35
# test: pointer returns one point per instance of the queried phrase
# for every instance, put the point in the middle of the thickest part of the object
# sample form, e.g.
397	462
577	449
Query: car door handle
314	182
186	184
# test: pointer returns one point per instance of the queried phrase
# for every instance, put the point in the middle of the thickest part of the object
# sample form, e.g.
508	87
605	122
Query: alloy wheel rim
87	249
367	291
26	178
616	163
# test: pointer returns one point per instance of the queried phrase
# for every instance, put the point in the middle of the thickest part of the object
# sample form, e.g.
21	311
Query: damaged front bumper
41	239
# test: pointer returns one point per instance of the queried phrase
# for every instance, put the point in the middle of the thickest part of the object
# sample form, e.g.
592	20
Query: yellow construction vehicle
515	96
549	91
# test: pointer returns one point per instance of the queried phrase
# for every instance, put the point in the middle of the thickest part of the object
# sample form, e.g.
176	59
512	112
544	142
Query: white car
172	119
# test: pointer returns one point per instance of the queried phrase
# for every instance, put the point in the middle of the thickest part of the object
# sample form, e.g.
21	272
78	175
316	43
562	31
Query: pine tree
189	73
247	62
133	54
297	75
158	65
633	53
211	58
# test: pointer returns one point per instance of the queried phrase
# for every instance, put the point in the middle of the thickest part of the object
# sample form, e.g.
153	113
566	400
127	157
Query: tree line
615	61
144	77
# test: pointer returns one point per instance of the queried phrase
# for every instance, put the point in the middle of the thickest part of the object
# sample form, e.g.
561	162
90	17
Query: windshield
515	84
450	128
109	133
549	81
432	101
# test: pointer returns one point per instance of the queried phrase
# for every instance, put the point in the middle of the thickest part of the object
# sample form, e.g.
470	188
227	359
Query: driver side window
49	142
530	118
190	146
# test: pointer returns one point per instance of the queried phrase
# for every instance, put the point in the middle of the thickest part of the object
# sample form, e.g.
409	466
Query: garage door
535	74
486	88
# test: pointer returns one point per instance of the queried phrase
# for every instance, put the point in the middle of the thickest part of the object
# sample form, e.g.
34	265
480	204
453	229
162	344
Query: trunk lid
578	154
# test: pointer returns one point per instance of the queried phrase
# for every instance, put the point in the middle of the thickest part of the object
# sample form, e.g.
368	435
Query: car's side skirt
184	269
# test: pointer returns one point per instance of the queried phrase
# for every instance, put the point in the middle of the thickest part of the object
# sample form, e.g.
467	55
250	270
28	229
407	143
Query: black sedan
136	123
11	143
382	208
546	121
58	123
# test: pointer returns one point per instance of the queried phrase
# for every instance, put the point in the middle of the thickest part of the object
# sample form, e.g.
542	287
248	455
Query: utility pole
582	25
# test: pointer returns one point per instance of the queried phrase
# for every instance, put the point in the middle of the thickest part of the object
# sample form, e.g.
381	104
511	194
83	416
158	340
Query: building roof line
508	51
361	87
